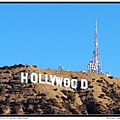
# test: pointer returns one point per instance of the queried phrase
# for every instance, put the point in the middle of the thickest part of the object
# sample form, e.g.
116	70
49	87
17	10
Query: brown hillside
101	97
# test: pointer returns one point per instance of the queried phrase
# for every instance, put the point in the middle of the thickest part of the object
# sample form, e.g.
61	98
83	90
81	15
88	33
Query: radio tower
94	66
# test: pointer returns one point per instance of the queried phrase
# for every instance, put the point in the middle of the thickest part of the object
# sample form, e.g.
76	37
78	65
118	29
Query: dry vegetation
101	97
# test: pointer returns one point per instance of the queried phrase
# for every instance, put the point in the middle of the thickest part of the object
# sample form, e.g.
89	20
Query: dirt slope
101	97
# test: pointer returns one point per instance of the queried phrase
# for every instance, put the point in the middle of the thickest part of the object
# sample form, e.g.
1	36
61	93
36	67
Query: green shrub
43	105
43	94
2	88
101	95
49	110
116	110
57	96
61	112
99	81
52	102
111	85
70	95
111	96
111	77
7	101
64	99
65	92
69	91
104	90
55	89
89	82
13	86
90	86
118	86
66	105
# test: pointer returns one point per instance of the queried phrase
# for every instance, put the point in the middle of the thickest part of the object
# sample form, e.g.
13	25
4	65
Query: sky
49	35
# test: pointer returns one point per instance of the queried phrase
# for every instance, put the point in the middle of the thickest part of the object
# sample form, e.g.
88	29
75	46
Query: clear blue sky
48	35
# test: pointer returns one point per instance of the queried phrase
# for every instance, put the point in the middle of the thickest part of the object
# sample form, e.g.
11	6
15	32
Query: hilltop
101	97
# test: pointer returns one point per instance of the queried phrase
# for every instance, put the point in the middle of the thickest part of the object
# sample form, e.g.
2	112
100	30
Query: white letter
40	81
84	84
35	76
52	78
59	81
24	77
74	83
46	79
66	82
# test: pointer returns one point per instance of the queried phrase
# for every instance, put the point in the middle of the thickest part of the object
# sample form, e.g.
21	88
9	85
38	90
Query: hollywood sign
54	80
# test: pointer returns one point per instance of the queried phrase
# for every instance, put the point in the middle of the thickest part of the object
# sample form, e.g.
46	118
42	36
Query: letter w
59	81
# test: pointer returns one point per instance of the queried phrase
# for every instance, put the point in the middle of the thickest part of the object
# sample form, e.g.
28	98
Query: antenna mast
94	66
96	52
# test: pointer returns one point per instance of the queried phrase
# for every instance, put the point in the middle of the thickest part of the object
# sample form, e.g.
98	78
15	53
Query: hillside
101	97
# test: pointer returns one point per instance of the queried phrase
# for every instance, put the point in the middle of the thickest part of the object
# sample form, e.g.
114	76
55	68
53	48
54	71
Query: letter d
84	84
